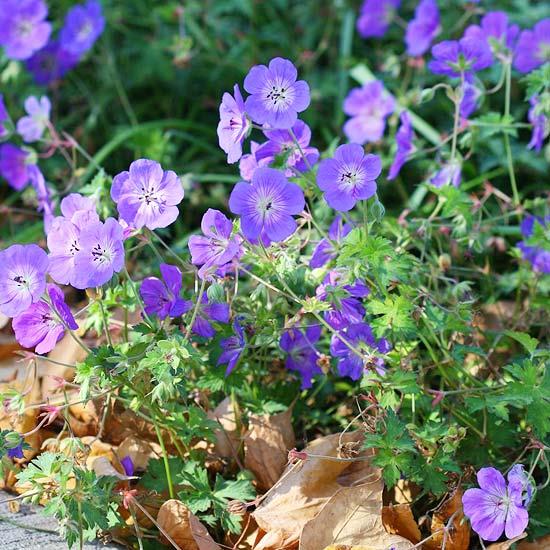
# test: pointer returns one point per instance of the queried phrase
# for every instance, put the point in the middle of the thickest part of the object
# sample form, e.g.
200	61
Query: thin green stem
509	158
136	295
165	460
195	311
105	322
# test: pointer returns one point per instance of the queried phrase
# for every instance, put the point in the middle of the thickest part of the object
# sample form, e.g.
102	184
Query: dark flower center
20	280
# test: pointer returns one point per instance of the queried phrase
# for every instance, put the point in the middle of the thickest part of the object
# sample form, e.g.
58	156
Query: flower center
278	95
20	280
149	196
24	29
85	31
100	254
350	176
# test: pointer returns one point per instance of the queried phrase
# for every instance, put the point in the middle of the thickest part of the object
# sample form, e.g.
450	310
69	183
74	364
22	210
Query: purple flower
147	195
537	256
233	348
249	162
233	126
101	254
42	325
4	116
368	108
64	237
43	195
281	143
162	297
541	125
15	452
450	173
404	139
128	464
453	58
13	166
470	96
348	177
22	277
533	47
51	63
32	126
423	28
494	28
23	30
302	355
517	475
345	300
266	205
325	250
360	336
276	96
497	506
82	27
375	17
207	313
217	247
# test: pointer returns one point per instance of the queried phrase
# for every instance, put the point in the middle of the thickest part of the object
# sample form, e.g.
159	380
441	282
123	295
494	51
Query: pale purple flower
249	162
4	116
281	144
82	27
494	30
368	108
43	195
497	506
51	63
276	96
302	354
146	195
375	17
470	96
537	256
76	206
32	126
540	122
207	313
533	47
325	250
216	247
423	28
454	58
101	254
450	173
13	166
232	347
266	205
162	297
349	176
42	325
23	29
233	126
517	475
128	464
346	307
404	140
22	277
360	336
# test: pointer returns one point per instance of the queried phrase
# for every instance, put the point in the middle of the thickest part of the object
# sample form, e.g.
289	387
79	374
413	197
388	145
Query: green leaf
528	342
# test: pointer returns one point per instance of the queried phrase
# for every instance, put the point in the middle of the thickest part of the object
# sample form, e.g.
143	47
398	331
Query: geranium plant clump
304	295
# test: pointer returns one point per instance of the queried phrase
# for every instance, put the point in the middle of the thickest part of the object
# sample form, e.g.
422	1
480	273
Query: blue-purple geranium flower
368	107
404	140
232	348
496	507
14	166
302	355
495	31
146	195
540	122
325	249
536	255
161	297
457	57
51	63
267	205
449	174
533	47
208	312
32	126
423	28
375	17
276	97
233	126
82	27
349	176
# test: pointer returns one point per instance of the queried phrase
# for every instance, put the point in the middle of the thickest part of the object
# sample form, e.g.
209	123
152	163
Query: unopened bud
295	455
444	262
348	450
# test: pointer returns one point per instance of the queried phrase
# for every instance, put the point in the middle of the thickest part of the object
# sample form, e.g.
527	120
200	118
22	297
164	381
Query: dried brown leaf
102	467
138	450
508	544
399	520
228	437
458	536
183	527
267	443
539	544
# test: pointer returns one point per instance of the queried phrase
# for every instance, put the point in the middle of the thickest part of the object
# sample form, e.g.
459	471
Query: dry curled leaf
184	528
305	487
267	443
138	450
399	520
539	544
458	536
228	437
102	467
508	544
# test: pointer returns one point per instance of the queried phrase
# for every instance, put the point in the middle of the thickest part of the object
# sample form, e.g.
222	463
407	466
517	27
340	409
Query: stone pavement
29	529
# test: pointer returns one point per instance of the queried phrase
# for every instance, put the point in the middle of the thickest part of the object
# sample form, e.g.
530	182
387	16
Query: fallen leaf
404	492
183	527
138	450
539	544
228	437
508	543
458	536
399	520
102	467
267	443
305	487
